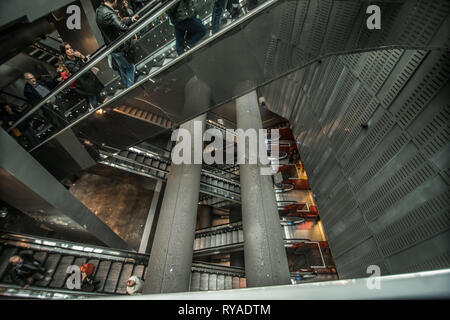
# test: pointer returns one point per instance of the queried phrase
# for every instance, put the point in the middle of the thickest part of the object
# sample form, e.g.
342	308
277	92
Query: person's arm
113	20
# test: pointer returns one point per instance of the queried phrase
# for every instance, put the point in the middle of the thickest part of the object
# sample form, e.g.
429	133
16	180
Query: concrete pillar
169	267
204	216
265	256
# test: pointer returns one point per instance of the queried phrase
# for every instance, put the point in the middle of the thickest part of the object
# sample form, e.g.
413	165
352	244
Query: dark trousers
219	7
191	30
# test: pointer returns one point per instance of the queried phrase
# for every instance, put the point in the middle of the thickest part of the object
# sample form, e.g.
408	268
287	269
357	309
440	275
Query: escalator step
220	282
40	256
139	271
50	265
228	282
123	154
113	277
128	110
195	281
208	241
139	113
61	272
151	117
7	253
204	281
140	158
229	236
235	283
212	283
102	273
132	156
125	275
242	283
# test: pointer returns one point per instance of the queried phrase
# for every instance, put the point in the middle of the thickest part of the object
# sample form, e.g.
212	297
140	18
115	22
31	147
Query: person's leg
233	8
126	69
217	15
180	31
196	31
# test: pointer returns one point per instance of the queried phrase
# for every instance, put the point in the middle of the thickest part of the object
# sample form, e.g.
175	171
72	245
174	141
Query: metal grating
421	224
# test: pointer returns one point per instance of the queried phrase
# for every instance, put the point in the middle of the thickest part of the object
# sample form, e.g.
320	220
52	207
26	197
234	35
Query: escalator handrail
8	236
141	24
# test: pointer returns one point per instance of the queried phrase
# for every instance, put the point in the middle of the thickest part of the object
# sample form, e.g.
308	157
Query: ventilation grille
440	262
436	134
425	91
410	176
393	149
403	77
421	224
374	137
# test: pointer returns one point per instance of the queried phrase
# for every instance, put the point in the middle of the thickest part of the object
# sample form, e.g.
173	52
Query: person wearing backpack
188	27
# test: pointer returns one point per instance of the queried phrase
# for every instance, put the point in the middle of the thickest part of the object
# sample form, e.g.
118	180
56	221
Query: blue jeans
126	69
190	29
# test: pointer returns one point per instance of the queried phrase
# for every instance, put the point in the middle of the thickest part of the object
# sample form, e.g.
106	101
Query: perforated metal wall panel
373	133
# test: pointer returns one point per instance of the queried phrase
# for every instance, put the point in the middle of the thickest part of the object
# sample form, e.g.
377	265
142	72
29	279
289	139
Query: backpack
87	268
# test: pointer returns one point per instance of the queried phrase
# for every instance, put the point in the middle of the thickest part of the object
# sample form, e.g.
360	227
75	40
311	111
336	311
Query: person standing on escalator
112	28
24	269
188	28
88	84
35	91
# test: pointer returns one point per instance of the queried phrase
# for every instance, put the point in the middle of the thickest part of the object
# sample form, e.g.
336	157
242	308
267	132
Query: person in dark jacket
24	269
187	27
112	28
88	84
35	91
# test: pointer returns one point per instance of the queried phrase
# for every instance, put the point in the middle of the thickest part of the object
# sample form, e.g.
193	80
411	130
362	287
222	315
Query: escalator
112	269
244	55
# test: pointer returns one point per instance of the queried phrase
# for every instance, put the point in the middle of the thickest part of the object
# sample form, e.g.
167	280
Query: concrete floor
118	200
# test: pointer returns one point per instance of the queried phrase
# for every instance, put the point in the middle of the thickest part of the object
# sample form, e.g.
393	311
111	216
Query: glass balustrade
247	52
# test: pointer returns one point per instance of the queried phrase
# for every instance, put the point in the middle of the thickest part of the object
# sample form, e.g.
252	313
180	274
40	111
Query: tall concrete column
204	216
265	256
169	267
